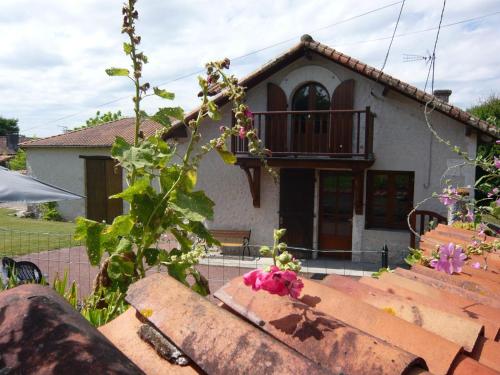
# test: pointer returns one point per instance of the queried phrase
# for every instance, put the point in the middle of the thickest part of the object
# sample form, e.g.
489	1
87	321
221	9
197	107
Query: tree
8	126
488	110
101	119
18	163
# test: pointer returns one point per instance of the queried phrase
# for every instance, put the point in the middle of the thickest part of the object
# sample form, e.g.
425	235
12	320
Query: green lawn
21	236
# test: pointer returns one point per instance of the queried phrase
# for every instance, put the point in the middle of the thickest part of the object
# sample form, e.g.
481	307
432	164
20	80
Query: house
351	144
8	147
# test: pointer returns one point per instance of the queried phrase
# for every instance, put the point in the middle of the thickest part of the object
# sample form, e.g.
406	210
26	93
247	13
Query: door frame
318	214
119	202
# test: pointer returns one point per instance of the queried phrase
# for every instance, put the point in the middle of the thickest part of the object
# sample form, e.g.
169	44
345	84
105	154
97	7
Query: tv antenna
412	58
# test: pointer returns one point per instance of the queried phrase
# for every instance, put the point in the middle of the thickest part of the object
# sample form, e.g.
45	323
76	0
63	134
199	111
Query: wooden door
276	138
335	213
297	206
341	133
310	130
102	179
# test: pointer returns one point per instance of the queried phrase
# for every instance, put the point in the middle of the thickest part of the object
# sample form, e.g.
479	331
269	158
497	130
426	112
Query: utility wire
394	33
433	58
276	44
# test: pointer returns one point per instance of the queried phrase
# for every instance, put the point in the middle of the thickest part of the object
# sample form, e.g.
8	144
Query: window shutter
341	135
276	125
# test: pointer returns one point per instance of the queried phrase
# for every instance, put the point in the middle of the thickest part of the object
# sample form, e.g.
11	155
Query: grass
20	236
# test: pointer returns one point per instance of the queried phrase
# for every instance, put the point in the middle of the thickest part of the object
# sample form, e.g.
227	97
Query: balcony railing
325	133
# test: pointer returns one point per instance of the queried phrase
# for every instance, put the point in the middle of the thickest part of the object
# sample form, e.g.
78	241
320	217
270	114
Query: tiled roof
416	321
307	45
97	136
407	321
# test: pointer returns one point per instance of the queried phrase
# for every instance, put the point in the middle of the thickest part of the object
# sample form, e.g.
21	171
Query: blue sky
55	51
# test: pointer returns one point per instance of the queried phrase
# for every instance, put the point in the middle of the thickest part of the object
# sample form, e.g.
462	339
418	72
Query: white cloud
55	52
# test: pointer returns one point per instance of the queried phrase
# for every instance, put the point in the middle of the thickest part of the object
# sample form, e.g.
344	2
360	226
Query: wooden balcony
325	134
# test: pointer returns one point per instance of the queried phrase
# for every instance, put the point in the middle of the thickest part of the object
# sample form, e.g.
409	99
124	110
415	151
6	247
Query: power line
433	58
394	33
467	20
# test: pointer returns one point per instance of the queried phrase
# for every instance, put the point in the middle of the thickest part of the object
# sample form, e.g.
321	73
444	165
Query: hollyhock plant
280	278
451	259
450	196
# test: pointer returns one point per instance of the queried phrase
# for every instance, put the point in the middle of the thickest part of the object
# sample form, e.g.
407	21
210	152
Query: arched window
307	127
310	97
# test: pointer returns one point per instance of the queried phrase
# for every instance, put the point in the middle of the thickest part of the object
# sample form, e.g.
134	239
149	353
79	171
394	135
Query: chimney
443	95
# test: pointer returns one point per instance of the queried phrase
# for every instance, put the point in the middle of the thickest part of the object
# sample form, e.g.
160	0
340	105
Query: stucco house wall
63	167
402	142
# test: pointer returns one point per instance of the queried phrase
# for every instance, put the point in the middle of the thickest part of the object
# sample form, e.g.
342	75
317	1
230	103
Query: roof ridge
74	131
428	97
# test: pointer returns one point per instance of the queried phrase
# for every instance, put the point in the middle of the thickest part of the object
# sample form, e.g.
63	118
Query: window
311	97
389	199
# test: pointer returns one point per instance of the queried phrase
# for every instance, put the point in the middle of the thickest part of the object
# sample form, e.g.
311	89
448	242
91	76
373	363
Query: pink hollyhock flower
476	265
242	133
482	228
451	259
493	192
450	197
252	279
248	113
497	163
275	281
470	215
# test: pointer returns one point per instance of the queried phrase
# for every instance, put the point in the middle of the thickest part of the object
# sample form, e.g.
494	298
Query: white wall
401	143
64	168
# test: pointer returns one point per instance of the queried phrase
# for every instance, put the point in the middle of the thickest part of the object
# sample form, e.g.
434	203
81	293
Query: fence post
385	256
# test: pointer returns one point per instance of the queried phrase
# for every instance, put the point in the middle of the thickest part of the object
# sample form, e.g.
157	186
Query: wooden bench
233	238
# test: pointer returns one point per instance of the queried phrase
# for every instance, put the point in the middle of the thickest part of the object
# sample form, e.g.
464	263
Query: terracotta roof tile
97	136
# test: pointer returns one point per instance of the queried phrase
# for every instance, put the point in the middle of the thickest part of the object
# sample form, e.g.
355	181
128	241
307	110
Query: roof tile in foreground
40	333
216	340
336	346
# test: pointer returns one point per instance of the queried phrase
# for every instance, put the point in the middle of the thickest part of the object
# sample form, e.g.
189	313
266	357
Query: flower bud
265	251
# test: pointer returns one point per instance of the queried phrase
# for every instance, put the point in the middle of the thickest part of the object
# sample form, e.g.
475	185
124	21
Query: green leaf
127	48
213	111
90	231
119	267
201	232
124	246
139	187
227	156
122	225
120	146
162	118
163	93
178	271
117	72
195	206
191	177
175	112
182	237
200	285
151	255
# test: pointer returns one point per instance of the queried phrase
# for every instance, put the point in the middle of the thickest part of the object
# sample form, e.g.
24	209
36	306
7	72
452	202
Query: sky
55	52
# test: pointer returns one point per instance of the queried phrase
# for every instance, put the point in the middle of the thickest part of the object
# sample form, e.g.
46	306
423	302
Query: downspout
429	168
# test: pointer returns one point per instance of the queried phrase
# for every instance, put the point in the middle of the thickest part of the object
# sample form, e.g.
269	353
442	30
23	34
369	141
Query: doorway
335	213
103	178
297	206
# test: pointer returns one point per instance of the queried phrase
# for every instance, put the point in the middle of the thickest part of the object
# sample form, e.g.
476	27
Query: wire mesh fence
57	254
